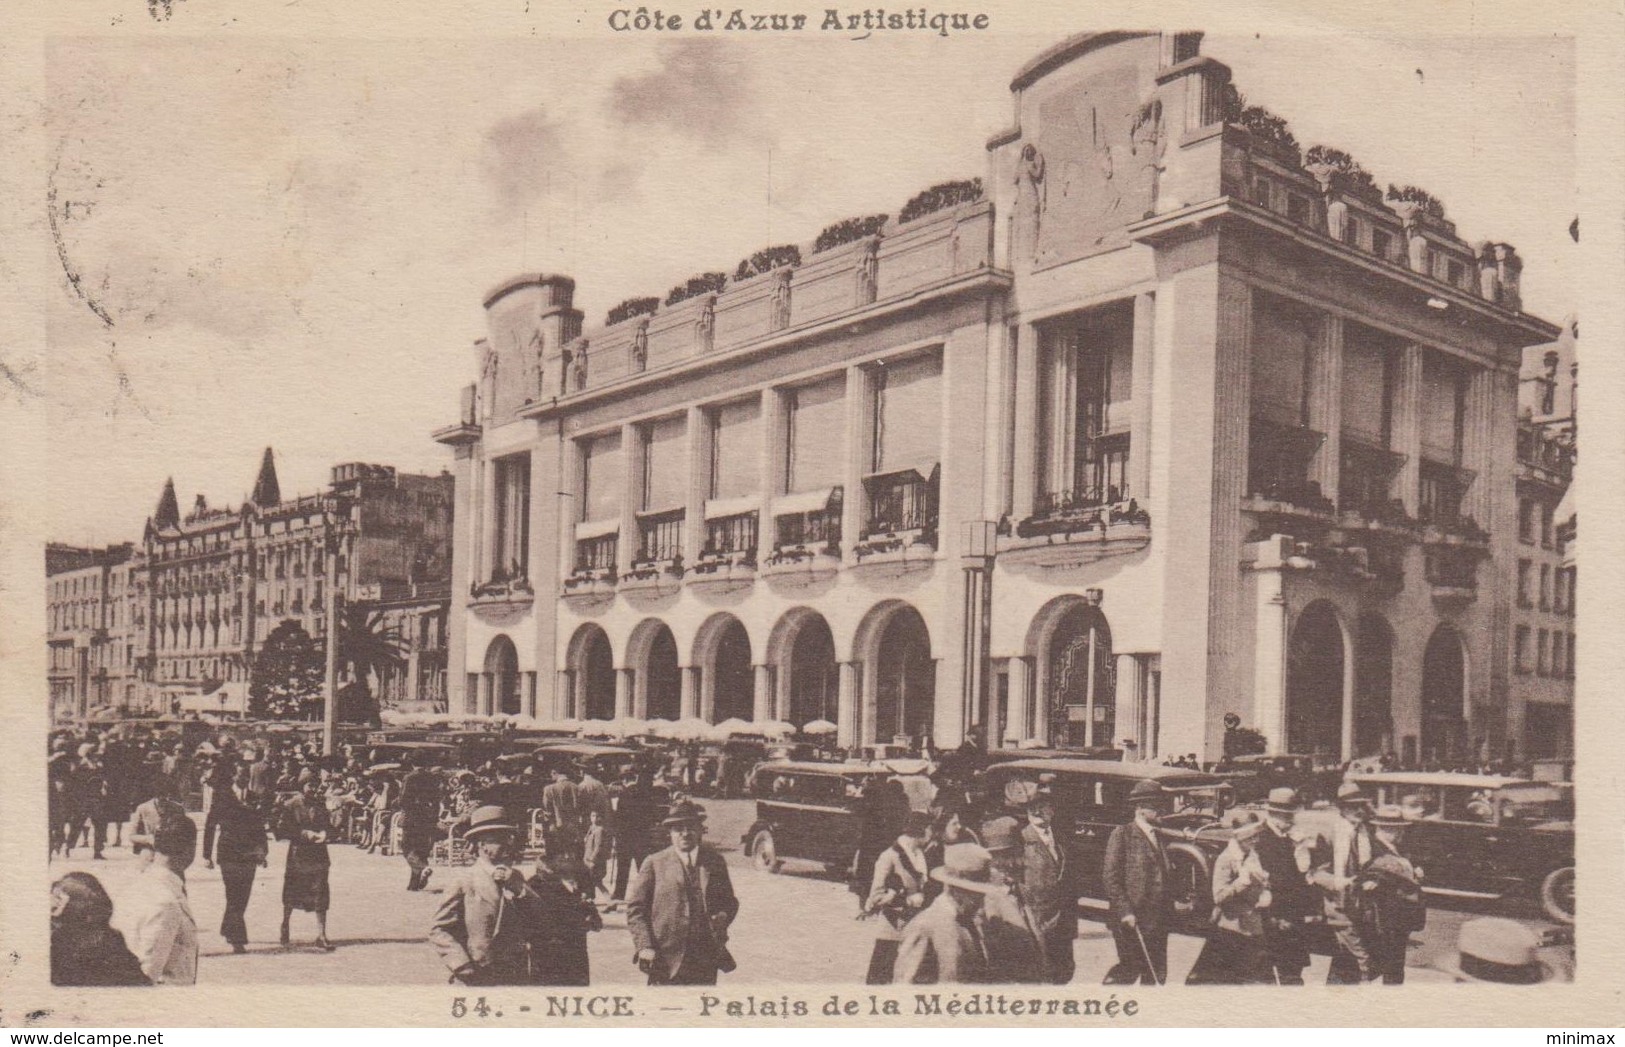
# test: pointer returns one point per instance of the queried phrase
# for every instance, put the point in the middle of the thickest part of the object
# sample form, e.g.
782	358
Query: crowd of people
979	889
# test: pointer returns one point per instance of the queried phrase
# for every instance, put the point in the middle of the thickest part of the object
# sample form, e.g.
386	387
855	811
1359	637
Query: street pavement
796	927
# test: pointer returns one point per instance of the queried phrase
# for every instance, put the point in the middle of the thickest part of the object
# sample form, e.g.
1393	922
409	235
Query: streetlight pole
330	697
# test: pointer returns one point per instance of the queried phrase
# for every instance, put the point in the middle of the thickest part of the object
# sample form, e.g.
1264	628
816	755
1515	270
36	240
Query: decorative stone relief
488	384
705	326
781	298
575	362
640	346
868	272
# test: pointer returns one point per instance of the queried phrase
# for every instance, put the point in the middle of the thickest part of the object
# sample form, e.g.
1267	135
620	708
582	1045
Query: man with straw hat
948	941
485	924
1292	903
680	906
1136	879
1494	950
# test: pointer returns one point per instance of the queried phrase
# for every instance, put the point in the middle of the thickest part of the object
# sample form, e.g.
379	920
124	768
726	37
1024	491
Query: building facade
212	585
89	630
1545	571
1163	430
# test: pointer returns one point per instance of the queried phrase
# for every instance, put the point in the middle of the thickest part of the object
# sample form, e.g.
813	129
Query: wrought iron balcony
903	503
660	537
597	554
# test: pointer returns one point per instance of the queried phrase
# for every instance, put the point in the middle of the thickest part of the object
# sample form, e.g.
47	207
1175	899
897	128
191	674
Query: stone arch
502	674
591	660
1444	698
801	655
899	673
1319	682
722	653
1373	686
651	654
1071	640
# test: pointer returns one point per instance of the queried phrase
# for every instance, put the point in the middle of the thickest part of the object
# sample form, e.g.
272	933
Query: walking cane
1149	966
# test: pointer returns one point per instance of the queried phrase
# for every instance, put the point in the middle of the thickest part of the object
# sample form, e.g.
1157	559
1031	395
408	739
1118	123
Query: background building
89	630
1173	423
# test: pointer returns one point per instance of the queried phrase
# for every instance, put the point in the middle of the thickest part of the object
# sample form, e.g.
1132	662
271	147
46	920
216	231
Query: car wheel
1557	895
763	853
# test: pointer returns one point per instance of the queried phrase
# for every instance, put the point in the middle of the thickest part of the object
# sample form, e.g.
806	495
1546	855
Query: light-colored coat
1239	898
478	924
937	948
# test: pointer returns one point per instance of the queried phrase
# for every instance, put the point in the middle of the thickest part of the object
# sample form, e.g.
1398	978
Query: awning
717	508
804	502
597	528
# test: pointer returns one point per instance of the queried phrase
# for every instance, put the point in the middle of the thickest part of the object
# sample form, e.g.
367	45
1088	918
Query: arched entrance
1373	686
1082	683
728	684
1314	683
814	684
502	674
1444	692
905	679
594	666
660	678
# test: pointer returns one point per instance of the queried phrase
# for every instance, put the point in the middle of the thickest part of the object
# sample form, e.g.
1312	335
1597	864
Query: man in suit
591	794
632	829
561	807
1353	847
1136	875
486	923
681	905
420	823
1293	902
1047	881
948	942
234	833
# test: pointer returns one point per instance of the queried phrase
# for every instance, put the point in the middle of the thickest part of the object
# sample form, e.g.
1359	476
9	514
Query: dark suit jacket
562	802
1291	896
1136	875
234	832
660	916
1047	885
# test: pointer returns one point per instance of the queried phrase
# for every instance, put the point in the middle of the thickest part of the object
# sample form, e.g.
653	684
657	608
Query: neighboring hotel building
1165	428
214	583
89	620
1545	572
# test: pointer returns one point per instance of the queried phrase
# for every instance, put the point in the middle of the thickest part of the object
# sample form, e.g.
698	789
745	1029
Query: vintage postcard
599	515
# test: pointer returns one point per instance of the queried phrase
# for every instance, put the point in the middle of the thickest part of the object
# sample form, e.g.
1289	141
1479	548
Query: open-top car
816	811
1486	836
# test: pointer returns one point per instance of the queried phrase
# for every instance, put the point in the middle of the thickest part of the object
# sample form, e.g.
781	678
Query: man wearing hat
1015	944
485	924
1292	901
1136	879
1047	880
948	941
420	820
1352	849
680	906
1387	897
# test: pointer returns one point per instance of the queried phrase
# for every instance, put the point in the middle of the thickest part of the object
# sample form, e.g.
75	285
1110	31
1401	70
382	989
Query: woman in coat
303	823
85	949
1234	953
897	892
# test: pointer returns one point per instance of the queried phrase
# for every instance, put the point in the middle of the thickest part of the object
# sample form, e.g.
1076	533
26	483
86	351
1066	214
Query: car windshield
1531	804
1209	800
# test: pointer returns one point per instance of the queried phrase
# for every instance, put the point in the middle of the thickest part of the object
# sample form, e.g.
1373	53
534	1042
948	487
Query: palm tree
369	647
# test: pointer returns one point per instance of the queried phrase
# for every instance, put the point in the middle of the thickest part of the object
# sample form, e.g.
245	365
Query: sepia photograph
805	502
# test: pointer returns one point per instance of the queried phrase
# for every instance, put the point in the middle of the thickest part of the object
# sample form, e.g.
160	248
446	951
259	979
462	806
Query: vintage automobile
432	754
1254	776
1091	799
1486	836
606	761
814	811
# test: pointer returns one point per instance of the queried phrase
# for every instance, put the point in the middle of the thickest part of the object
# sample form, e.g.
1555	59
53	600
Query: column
854	506
1089	692
487	693
761	705
1269	656
623	693
631	499
1139	461
568	506
1326	404
781	692
1020	673
869	702
1130	704
564	694
578	681
706	684
1407	426
1024	478
1478	436
1349	657
689	702
772	469
699	484
846	704
975	708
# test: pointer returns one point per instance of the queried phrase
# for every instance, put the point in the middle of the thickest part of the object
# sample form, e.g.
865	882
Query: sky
286	243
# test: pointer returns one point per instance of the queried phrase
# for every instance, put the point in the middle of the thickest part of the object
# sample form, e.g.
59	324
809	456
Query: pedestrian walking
234	835
485	926
681	905
1016	950
1293	907
154	914
594	855
897	893
1387	903
303	823
1234	953
633	826
564	916
1352	850
85	949
1048	882
1136	879
561	809
420	823
162	805
947	942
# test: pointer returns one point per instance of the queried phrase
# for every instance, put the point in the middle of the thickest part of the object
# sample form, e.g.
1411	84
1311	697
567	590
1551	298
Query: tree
369	648
286	680
1244	741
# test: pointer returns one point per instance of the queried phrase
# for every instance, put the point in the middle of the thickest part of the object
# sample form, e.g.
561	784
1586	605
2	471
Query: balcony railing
597	554
730	535
820	527
903	501
660	537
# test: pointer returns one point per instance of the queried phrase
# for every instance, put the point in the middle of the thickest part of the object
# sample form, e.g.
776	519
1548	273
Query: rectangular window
1524	567
815	420
1086	401
665	466
1369	360
1542	640
1284	334
1520	649
1545	587
510	547
1547	511
1444	394
1382	243
1526	521
1570	667
908	416
736	450
603	478
1558	664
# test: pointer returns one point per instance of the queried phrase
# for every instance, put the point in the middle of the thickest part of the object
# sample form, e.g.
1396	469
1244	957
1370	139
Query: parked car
606	761
1486	836
815	811
1254	776
437	754
1091	800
